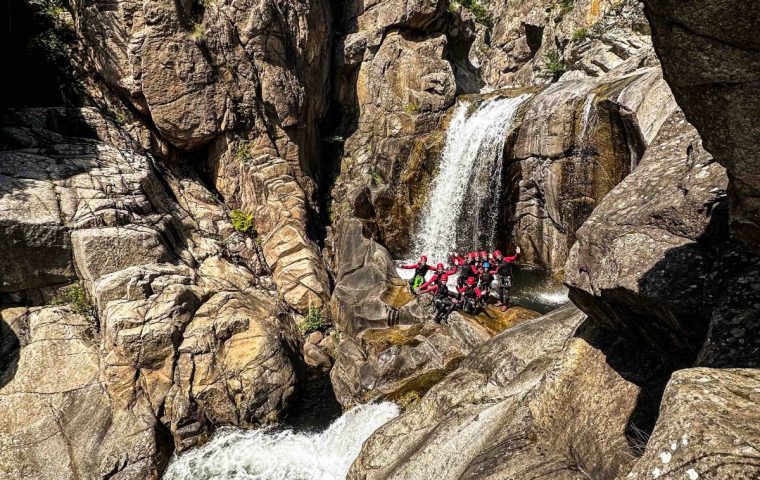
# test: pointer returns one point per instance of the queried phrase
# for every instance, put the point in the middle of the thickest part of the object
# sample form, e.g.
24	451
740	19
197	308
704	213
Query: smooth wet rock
365	277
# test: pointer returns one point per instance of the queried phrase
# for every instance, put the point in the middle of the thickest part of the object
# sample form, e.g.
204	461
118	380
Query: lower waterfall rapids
462	211
272	454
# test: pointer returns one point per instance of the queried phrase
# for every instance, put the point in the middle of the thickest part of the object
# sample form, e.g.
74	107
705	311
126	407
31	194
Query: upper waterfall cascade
462	211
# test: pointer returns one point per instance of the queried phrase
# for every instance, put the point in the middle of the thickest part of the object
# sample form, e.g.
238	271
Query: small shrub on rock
244	151
313	321
198	33
580	34
242	222
75	297
555	67
565	6
480	11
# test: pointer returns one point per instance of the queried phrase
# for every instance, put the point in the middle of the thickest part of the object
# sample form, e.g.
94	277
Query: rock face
651	260
235	82
709	54
683	446
200	70
60	421
266	187
577	140
503	413
182	339
366	282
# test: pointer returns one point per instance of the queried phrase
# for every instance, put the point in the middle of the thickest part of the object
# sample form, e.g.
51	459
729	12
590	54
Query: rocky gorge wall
120	165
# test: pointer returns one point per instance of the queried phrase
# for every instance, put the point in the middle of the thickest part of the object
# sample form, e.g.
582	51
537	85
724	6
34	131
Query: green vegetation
119	117
242	222
314	321
379	180
555	66
198	33
244	151
580	34
410	108
74	296
480	11
565	6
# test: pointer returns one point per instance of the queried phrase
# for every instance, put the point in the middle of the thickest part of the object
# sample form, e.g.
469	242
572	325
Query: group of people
477	273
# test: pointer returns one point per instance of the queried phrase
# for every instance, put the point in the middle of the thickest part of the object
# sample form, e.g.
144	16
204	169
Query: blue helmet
486	265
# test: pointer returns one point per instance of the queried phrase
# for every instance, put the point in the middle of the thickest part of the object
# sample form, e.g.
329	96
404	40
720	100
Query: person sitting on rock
420	270
442	297
503	270
471	297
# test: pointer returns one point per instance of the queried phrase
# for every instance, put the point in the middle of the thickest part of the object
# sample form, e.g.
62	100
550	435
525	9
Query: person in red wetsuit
502	268
439	271
468	269
442	297
471	296
420	270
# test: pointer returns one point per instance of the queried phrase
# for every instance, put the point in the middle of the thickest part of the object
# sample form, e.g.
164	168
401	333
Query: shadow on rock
9	353
643	367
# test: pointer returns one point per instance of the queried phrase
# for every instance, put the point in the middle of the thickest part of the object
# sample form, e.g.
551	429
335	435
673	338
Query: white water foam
474	144
268	454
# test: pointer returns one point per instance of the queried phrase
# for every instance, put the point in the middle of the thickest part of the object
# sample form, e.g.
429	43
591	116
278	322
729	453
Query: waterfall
267	454
462	211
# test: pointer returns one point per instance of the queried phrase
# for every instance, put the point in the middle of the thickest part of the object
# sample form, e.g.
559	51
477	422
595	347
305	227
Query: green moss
75	297
198	32
411	391
379	339
242	222
379	180
580	34
312	322
565	6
